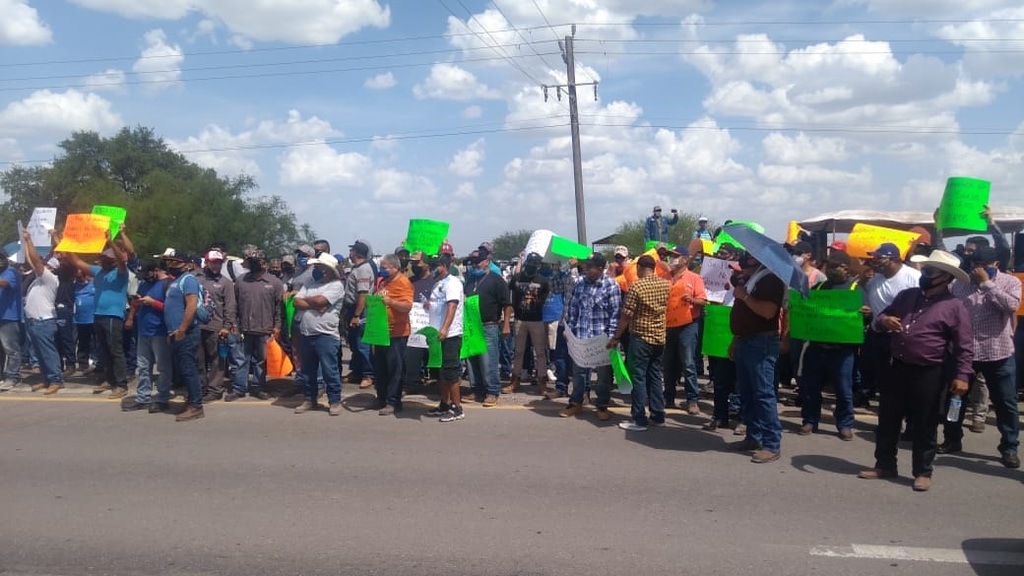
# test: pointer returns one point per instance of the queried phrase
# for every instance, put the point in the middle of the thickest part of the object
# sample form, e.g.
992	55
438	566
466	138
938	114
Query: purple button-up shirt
932	330
991	307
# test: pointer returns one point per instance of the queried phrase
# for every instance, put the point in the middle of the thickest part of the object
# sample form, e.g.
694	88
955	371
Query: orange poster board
84	234
867	238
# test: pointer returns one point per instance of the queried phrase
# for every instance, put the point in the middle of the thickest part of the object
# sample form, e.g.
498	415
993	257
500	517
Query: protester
656	225
445	307
702	232
214	334
495	312
10	324
416	349
358	285
180	304
529	292
41	317
320	301
154	350
85	306
687	296
389	361
258	296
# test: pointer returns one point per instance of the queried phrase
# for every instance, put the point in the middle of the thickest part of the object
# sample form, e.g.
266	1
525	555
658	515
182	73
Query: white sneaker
6	386
551	375
632	427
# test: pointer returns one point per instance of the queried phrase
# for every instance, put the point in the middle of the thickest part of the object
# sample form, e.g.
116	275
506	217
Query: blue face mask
991	271
475	272
318	274
385	274
302	261
545	272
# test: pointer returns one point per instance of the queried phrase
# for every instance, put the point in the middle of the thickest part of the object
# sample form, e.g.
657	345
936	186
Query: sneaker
554	394
657	423
260	395
39	386
159	407
209	397
490	401
438	412
806	430
876	474
387	410
764	456
1010	459
232	396
846	435
305	407
693	408
632	427
6	386
978	426
456	413
604	415
190	413
54	388
740	430
570	410
334	409
949	448
115	394
922	483
134	406
713	425
366	383
551	375
101	388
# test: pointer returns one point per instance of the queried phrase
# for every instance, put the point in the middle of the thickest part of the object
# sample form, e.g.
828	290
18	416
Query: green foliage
510	244
170	201
631	233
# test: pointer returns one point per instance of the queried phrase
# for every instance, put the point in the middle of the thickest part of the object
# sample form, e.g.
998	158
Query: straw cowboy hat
943	261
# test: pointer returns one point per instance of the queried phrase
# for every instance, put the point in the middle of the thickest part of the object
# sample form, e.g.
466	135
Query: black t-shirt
421	288
743	320
528	296
493	292
65	287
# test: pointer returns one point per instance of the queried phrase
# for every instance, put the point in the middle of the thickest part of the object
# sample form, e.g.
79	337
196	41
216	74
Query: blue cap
886	250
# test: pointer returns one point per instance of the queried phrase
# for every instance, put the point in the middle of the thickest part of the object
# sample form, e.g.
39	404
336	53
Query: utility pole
574	124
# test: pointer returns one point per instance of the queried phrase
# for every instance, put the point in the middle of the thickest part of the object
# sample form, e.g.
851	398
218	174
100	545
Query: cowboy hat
942	261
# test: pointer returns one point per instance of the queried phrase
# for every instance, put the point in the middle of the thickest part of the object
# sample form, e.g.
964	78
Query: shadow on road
810	462
994	556
979	464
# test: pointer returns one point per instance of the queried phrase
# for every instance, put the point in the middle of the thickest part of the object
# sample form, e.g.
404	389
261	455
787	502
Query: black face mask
420	269
255	265
403	263
530	270
928	282
176	271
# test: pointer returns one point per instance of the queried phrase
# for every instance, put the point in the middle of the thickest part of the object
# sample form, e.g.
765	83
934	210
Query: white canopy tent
1009	218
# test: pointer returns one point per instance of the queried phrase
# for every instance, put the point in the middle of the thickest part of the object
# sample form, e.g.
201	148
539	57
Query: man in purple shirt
932	344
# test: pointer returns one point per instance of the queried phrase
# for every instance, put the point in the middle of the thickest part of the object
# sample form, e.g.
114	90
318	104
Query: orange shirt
397	288
680	312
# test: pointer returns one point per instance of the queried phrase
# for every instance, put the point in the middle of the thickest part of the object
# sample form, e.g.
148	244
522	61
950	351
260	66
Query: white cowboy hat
944	261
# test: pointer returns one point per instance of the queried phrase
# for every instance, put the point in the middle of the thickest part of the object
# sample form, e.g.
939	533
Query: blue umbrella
772	254
14	247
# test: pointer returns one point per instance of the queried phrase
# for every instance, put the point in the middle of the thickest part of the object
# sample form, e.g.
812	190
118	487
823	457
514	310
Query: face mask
991	271
928	282
175	271
530	270
317	274
546	272
799	259
255	265
475	272
835	276
403	263
420	269
435	272
384	273
302	261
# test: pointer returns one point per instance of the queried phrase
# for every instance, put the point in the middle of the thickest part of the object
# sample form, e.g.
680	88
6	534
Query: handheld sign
962	204
426	236
84	234
376	331
716	274
587	352
117	216
473	341
622	379
569	249
43	220
831	316
717	333
866	238
433	345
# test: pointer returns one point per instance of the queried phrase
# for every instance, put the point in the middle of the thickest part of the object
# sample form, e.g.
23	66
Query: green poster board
654	244
619	371
831	316
425	235
289	315
116	215
962	204
473	341
563	247
376	331
717	334
433	346
724	238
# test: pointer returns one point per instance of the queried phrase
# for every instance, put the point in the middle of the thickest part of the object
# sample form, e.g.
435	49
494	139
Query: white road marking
947	555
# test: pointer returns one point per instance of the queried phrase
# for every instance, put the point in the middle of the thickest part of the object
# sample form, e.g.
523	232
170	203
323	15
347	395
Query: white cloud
472	112
57	114
320	166
450	82
20	25
297	21
804	149
381	81
160	63
110	79
467	162
465	191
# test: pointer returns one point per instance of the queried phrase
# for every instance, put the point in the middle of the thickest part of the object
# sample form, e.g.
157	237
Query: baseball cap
107	253
646	261
214	255
802	247
596	259
702	219
487	246
416	256
306	249
837	245
839	257
984	255
682	251
361	248
657	208
622	251
886	250
401	248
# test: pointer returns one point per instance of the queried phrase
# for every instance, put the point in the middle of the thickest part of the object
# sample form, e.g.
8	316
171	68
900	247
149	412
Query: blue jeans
66	334
254	353
110	337
43	334
321	352
645	371
834	364
506	353
1018	344
186	369
388	364
559	356
10	341
603	388
361	365
724	372
153	351
483	369
755	379
680	343
1000	377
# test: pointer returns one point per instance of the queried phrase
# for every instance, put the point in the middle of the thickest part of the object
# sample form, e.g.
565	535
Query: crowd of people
938	325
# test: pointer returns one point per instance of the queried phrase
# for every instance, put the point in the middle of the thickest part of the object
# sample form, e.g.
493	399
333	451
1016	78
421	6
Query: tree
631	233
510	244
171	202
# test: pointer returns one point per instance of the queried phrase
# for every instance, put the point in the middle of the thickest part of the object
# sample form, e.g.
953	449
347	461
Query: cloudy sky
363	114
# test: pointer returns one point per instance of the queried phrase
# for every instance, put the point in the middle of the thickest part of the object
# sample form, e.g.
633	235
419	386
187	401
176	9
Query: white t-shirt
41	296
881	291
444	291
315	323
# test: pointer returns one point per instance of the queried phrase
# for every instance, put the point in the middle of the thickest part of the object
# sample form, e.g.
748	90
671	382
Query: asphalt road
254	489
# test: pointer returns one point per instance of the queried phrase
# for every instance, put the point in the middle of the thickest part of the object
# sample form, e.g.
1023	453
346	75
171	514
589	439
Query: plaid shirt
594	307
991	307
646	303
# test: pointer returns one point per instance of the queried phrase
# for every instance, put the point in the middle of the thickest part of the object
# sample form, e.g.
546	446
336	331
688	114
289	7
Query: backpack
206	306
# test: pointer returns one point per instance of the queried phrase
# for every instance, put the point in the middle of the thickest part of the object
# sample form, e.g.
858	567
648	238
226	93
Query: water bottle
222	347
953	414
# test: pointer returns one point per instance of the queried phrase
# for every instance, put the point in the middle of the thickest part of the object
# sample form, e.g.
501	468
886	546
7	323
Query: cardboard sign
474	343
707	246
792	232
962	204
867	238
831	316
717	333
430	334
564	247
43	220
539	243
587	352
716	274
725	238
116	214
426	236
622	379
376	331
289	315
84	234
418	320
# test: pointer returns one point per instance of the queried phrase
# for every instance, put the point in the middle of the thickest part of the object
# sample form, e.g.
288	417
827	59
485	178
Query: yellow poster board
84	234
867	238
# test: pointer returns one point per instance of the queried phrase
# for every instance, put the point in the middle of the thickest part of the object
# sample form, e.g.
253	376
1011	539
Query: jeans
538	335
1018	345
415	360
84	334
211	365
10	341
254	353
645	371
875	358
1000	379
153	351
603	388
43	334
680	343
109	334
724	372
559	356
698	358
755	379
360	365
320	352
186	370
483	368
130	344
836	365
914	392
506	353
66	334
388	365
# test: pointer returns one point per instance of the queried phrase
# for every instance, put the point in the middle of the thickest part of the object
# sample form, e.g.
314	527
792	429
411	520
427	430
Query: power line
543	59
489	35
785	52
865	129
